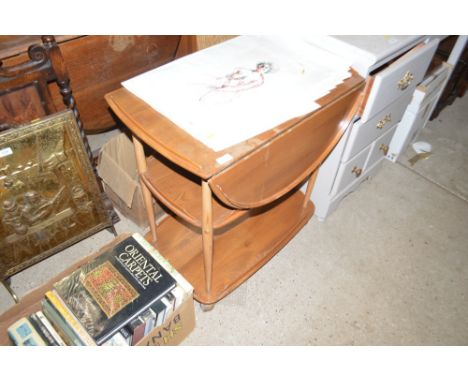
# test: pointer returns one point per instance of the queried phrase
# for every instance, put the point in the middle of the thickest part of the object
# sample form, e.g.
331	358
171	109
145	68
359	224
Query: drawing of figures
240	79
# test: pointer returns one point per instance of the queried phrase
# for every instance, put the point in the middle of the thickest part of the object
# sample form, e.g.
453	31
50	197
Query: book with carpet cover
115	287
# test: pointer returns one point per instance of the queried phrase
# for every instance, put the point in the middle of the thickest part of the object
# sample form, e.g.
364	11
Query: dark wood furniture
96	65
193	43
229	219
458	81
25	95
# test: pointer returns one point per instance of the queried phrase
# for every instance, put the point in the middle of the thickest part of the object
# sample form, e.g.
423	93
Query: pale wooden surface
147	197
179	147
219	240
207	234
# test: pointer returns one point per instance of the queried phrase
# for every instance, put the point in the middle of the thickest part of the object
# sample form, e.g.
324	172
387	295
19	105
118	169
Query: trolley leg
207	234
310	186
147	196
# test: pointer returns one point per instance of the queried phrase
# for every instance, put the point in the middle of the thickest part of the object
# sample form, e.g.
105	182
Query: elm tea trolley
227	219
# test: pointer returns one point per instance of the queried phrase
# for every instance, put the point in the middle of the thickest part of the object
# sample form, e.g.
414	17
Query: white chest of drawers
417	114
365	144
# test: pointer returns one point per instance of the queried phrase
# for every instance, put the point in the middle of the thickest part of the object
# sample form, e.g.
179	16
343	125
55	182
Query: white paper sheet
195	93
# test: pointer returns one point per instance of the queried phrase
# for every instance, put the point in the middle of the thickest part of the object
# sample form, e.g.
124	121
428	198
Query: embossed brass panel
49	196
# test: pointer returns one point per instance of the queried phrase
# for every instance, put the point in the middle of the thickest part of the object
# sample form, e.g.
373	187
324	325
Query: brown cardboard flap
117	167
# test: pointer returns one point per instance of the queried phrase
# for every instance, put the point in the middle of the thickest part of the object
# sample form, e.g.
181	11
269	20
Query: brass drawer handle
405	81
384	148
357	171
380	125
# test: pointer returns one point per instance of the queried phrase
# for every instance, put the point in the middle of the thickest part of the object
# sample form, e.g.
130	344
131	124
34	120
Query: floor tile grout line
434	182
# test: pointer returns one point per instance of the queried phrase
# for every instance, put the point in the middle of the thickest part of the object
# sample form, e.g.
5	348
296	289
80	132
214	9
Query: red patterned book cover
115	287
109	288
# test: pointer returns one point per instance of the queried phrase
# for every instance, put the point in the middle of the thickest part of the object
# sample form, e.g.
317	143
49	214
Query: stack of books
116	299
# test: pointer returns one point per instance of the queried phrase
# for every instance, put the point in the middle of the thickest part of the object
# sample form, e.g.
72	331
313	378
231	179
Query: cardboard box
117	168
175	329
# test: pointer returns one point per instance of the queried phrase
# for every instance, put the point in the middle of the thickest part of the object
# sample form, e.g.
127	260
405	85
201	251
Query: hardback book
181	281
117	286
149	317
137	328
126	335
159	308
70	319
169	307
60	325
50	328
23	333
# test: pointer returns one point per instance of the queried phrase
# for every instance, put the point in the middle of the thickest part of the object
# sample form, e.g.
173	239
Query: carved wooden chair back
24	88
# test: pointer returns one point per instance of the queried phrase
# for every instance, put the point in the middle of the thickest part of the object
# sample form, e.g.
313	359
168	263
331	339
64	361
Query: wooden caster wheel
207	307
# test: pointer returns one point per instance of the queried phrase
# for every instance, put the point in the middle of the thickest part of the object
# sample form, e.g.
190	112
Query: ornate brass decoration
380	125
384	148
49	196
405	81
357	171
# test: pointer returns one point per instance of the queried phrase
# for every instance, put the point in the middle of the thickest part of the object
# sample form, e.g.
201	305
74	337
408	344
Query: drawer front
350	170
380	147
362	134
399	78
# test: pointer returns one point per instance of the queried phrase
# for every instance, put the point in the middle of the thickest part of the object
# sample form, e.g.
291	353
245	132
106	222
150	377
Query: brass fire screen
49	196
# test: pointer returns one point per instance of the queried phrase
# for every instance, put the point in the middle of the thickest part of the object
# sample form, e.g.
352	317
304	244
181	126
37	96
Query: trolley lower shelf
240	249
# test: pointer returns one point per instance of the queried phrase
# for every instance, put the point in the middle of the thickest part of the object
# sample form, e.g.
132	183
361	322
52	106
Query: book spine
127	335
60	325
50	328
69	318
179	295
149	317
169	306
137	328
23	333
42	330
184	284
159	308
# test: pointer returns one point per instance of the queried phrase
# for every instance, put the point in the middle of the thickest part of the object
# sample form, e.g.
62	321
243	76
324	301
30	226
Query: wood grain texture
179	147
253	181
207	235
193	43
98	64
147	196
181	192
238	251
258	208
